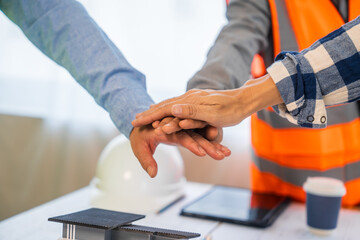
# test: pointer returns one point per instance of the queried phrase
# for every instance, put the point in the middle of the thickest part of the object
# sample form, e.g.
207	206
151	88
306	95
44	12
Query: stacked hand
196	135
199	115
170	125
144	141
196	109
221	108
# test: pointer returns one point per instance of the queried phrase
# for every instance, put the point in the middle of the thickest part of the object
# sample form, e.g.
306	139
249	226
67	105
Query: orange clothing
284	154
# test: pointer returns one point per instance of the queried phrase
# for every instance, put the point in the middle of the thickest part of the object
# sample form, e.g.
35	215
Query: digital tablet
237	205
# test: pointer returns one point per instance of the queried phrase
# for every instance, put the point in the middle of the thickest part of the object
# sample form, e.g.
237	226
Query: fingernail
177	110
202	151
218	152
225	149
150	171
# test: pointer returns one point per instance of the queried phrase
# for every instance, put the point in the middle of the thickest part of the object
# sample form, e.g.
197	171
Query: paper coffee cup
323	202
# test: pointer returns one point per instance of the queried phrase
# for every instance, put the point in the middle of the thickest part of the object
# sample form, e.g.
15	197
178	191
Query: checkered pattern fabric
326	73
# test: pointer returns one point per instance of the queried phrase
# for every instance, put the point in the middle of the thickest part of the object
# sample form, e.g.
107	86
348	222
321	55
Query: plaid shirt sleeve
326	73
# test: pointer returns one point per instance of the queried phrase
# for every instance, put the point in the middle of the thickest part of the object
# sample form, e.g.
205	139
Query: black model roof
97	218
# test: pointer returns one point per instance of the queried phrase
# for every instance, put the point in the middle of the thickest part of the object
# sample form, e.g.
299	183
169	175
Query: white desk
33	224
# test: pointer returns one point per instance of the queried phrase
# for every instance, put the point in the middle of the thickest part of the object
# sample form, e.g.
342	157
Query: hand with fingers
170	125
218	108
197	109
144	141
208	110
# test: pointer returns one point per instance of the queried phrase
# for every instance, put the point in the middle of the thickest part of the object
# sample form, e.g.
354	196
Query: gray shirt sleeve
64	31
229	60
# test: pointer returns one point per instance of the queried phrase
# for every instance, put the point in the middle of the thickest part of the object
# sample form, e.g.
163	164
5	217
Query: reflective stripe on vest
293	176
285	155
270	180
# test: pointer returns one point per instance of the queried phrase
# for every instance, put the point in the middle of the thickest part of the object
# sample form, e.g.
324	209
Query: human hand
216	108
170	125
144	141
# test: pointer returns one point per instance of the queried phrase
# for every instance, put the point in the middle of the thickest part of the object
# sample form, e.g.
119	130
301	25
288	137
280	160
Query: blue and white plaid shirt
326	73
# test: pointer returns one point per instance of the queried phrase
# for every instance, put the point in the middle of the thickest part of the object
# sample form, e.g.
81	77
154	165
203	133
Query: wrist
258	94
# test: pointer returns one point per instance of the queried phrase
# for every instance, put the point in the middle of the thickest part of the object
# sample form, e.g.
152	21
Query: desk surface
33	224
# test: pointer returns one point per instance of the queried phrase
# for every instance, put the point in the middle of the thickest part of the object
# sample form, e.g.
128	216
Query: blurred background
52	131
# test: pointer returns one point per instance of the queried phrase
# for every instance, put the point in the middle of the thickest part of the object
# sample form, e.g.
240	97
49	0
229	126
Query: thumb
146	159
148	163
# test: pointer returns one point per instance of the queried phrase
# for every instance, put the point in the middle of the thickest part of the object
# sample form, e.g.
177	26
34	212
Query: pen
209	235
171	204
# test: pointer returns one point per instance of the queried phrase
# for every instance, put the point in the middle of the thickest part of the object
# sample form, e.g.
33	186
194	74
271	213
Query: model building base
100	224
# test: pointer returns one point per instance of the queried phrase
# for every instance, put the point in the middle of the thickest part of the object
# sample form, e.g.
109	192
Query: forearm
63	30
228	62
258	94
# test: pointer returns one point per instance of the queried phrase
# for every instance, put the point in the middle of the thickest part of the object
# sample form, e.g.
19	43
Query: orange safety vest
285	154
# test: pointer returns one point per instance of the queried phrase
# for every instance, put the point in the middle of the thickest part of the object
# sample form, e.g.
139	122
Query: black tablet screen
237	205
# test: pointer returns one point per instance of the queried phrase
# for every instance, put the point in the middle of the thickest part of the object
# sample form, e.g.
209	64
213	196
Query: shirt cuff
123	103
303	103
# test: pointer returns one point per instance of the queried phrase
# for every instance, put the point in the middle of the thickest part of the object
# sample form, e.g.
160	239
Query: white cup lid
324	186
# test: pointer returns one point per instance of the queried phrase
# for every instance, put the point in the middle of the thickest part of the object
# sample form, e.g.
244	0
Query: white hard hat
121	183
